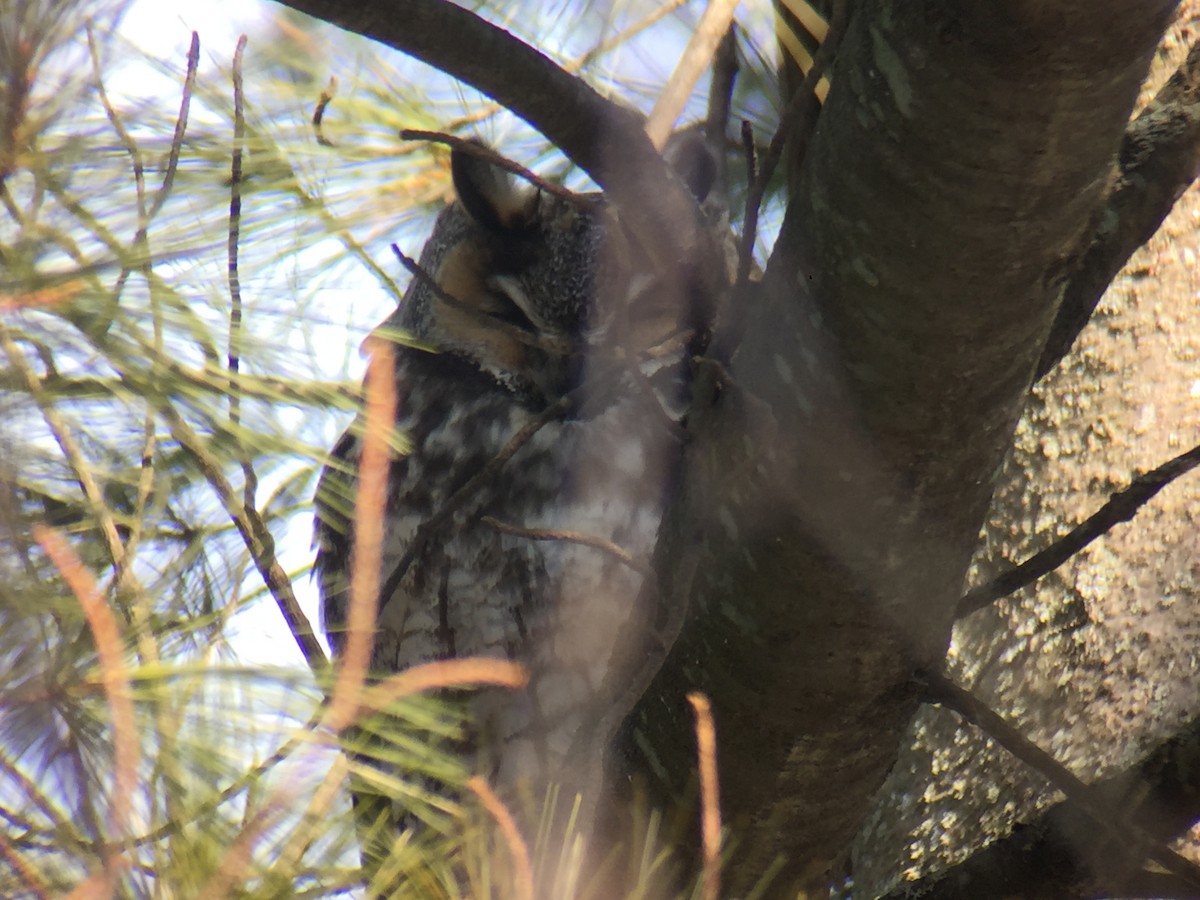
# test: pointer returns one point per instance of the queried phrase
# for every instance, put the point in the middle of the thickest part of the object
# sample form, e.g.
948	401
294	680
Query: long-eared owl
526	298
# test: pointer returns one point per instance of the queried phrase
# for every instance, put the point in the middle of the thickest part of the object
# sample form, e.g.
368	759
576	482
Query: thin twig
481	151
696	58
256	536
795	126
114	673
323	102
710	799
240	854
571	537
470	671
557	345
940	689
750	151
30	880
79	464
720	99
145	488
181	121
517	848
250	479
1121	507
370	506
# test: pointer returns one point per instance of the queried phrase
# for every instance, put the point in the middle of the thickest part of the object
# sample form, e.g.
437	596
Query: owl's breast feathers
525	297
509	574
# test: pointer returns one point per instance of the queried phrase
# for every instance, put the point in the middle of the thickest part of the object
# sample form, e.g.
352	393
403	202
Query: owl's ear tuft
489	194
689	154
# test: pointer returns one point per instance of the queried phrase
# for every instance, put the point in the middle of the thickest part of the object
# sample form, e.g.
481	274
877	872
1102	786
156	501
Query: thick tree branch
1159	159
604	138
1058	855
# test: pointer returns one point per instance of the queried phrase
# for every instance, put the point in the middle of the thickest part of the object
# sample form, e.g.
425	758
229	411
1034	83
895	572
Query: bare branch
250	479
795	129
1121	507
571	537
749	151
710	801
604	138
256	536
319	113
481	151
189	84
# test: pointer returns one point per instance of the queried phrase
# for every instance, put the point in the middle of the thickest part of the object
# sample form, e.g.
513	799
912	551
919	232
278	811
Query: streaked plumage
539	298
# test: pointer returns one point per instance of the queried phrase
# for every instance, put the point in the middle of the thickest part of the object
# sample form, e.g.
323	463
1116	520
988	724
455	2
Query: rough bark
959	159
1095	661
1058	854
1159	159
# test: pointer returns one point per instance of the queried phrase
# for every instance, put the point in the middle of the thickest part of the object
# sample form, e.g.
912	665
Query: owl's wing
333	535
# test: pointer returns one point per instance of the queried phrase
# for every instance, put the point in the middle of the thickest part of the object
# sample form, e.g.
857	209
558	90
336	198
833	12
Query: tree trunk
1094	662
841	477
